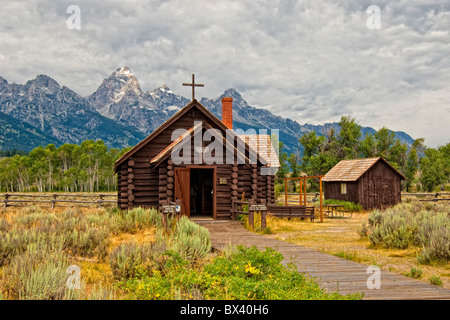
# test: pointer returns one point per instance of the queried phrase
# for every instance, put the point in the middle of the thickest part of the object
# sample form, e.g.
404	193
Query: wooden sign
201	149
223	181
172	209
258	207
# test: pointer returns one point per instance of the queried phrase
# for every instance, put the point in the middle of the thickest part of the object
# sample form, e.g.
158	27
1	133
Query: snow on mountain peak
125	71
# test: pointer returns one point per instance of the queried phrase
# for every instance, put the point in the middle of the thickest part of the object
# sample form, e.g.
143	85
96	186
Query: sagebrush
413	223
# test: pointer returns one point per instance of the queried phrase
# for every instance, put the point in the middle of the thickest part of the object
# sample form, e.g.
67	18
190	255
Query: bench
292	211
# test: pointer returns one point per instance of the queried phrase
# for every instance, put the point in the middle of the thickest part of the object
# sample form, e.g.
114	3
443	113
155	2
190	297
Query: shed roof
352	170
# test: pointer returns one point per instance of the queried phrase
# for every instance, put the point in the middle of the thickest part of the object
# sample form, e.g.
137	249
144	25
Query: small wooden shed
371	182
206	181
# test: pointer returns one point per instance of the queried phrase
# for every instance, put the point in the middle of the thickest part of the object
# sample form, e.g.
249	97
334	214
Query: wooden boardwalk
333	273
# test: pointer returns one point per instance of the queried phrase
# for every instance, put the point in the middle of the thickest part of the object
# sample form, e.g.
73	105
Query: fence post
54	201
100	201
5	204
263	215
251	214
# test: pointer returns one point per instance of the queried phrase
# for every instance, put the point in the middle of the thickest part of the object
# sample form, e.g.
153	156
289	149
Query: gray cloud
310	61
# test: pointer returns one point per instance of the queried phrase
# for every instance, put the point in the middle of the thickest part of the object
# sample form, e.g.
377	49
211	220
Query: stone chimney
227	112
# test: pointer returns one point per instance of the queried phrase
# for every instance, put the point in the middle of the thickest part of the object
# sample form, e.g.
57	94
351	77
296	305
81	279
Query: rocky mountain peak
42	83
233	93
3	82
123	80
119	85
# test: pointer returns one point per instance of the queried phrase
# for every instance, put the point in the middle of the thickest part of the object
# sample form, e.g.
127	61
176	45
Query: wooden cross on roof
193	85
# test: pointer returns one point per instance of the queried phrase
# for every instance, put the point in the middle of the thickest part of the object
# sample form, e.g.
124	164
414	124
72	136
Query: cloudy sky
311	61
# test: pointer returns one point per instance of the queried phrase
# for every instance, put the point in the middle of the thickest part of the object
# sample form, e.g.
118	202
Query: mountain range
120	113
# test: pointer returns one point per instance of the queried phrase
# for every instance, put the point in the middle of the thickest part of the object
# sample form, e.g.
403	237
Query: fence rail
57	199
435	197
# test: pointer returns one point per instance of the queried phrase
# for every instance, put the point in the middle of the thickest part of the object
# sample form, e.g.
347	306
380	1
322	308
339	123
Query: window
343	188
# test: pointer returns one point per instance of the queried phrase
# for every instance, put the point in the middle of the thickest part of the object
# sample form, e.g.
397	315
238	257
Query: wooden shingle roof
263	144
352	170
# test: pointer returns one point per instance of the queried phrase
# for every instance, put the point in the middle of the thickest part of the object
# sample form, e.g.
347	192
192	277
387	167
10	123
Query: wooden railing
60	199
236	208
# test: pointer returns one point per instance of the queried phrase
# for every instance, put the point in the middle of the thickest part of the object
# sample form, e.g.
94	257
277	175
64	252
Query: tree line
88	167
425	168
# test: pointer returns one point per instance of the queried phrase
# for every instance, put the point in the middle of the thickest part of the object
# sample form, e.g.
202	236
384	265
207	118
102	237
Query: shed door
182	189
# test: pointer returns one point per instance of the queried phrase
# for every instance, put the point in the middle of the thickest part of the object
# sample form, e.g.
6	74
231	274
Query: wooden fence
438	196
57	199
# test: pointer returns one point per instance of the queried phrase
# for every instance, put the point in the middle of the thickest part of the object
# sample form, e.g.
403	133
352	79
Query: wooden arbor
303	191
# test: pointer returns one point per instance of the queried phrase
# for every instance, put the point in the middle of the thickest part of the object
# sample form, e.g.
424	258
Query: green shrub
436	280
190	240
346	255
37	274
136	219
375	218
415	273
414	223
267	230
70	229
35	219
364	231
129	259
348	206
15	242
438	248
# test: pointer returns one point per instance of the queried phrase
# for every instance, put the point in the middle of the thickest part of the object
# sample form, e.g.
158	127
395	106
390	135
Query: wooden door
182	189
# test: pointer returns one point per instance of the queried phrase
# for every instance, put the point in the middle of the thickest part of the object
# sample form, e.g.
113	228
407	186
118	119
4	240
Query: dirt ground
339	237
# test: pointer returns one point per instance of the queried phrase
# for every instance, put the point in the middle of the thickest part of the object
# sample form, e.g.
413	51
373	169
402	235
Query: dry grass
93	272
340	237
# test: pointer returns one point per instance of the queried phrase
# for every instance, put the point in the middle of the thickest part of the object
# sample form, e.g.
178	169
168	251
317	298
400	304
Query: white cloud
308	60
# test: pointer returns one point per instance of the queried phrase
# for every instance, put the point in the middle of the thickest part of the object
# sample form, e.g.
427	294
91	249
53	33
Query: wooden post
263	216
54	201
5	202
300	192
321	203
251	214
304	202
100	201
285	192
